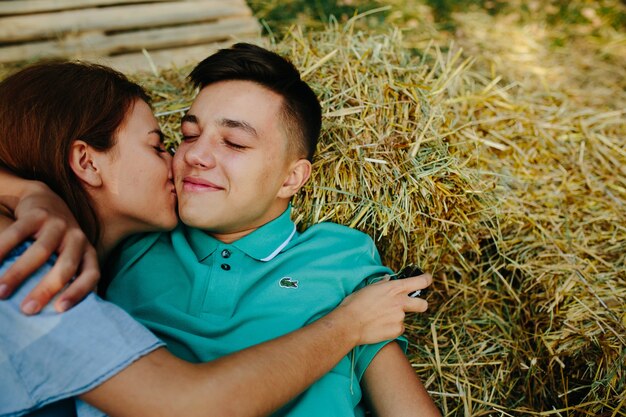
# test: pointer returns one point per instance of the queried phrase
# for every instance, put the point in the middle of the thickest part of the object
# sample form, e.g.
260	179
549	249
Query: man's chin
194	218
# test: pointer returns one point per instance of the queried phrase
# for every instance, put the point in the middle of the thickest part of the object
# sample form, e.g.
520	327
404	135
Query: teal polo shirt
207	299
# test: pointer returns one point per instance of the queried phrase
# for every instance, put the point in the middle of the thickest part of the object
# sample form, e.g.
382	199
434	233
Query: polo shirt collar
201	242
264	244
270	239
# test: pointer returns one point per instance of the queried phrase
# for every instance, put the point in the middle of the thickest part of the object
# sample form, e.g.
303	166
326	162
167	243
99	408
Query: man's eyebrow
229	123
159	133
239	124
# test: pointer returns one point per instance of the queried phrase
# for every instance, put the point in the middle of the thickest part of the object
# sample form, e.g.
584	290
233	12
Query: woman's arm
258	380
40	214
251	382
392	387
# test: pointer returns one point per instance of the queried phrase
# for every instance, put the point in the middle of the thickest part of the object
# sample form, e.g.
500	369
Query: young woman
88	134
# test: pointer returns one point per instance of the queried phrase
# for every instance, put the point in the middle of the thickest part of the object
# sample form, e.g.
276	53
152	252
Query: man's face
230	168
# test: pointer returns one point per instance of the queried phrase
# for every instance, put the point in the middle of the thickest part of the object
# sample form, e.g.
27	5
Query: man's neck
230	237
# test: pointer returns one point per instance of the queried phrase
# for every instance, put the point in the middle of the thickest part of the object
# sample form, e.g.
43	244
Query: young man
239	273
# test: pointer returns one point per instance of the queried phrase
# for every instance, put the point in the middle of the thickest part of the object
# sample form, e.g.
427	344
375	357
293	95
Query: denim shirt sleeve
50	356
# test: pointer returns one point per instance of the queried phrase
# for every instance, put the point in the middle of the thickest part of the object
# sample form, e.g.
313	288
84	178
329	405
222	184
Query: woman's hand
378	310
44	217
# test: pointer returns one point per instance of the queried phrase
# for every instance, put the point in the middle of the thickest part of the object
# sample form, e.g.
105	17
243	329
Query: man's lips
199	184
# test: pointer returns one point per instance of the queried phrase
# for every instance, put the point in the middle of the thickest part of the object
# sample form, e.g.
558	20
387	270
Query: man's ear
298	176
83	162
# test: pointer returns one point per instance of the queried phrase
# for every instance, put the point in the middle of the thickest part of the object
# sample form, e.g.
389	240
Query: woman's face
138	190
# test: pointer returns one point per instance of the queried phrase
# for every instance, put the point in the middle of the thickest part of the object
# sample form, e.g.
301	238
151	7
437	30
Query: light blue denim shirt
50	356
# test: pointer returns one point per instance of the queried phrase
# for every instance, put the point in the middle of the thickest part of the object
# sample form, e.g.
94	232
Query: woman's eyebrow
159	133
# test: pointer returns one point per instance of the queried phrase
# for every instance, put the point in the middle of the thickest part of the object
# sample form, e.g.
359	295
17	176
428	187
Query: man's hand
379	309
44	216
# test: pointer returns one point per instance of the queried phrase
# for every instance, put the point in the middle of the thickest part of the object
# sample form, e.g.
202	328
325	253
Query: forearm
277	371
392	387
252	382
269	374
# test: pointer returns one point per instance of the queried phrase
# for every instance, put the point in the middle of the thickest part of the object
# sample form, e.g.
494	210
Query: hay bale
511	188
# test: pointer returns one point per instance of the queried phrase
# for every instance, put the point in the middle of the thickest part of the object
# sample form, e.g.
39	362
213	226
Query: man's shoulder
139	245
142	247
335	240
351	253
137	260
335	232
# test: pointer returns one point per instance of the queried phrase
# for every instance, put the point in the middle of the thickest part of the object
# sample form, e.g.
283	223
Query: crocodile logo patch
288	282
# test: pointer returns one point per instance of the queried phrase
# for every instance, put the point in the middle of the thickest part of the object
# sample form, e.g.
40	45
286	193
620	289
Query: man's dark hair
302	112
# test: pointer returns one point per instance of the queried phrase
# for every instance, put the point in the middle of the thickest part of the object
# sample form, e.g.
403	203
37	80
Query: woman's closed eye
160	148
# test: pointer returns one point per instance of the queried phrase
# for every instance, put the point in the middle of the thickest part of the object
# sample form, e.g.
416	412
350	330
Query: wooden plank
49	49
97	43
38	6
183	35
178	57
46	25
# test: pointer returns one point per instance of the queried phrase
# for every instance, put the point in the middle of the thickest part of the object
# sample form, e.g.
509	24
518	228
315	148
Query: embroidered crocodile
288	282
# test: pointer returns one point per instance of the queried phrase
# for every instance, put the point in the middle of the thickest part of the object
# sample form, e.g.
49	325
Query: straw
493	157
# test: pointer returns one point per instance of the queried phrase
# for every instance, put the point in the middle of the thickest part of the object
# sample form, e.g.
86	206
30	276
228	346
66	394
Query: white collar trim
281	247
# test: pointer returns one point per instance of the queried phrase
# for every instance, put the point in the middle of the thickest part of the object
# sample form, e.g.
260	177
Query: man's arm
42	215
392	387
258	380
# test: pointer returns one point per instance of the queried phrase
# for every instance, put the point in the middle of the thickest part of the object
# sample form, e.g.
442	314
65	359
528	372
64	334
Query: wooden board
91	29
166	58
36	6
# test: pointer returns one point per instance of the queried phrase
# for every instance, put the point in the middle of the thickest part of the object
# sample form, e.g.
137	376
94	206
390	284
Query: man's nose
200	153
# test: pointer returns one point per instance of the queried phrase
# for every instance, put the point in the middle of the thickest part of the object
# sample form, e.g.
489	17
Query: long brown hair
46	107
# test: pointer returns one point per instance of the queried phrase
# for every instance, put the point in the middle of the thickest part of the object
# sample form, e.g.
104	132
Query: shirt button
225	253
226	267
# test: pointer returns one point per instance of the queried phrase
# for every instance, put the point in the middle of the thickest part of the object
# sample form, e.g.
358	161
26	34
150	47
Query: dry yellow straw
497	165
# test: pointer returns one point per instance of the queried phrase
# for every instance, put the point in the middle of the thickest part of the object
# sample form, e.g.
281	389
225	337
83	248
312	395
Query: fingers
406	286
394	330
84	283
413	283
10	238
35	256
31	260
64	269
15	234
381	307
415	305
52	235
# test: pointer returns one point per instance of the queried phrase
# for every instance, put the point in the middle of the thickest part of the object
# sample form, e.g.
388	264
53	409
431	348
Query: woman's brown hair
46	107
